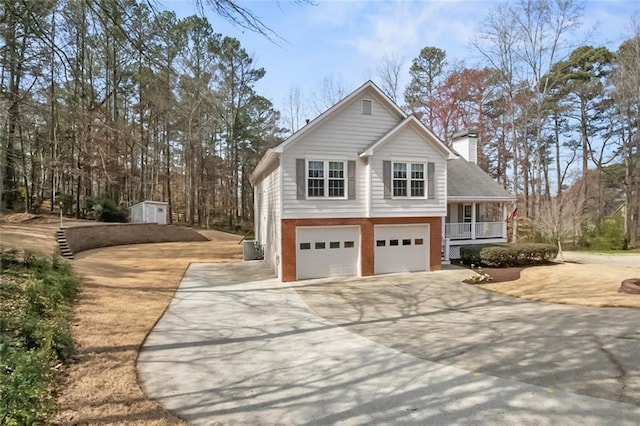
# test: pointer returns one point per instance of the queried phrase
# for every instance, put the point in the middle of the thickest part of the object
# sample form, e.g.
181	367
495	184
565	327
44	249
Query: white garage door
327	251
401	248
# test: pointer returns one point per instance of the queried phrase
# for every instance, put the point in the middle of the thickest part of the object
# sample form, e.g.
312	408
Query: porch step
65	250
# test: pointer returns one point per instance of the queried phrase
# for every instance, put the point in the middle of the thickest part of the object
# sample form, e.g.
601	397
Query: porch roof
467	181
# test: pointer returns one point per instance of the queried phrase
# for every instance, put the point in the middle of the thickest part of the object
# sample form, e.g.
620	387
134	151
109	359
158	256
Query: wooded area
543	110
113	100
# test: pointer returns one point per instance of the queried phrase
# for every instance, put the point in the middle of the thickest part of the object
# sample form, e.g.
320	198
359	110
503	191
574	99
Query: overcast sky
348	39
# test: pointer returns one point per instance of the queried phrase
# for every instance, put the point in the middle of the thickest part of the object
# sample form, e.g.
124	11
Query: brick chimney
465	143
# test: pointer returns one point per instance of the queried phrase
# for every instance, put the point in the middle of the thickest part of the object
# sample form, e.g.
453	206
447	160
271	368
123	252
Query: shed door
150	213
401	248
161	215
323	251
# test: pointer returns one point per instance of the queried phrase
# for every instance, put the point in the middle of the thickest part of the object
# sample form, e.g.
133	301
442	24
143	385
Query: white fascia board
480	198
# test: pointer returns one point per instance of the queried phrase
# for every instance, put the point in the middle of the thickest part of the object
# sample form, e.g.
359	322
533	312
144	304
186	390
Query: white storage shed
149	212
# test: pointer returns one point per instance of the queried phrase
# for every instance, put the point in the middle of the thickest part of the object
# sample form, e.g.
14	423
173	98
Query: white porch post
504	220
447	245
473	221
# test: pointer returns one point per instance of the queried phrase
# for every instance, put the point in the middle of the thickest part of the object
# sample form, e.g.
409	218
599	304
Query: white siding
150	212
137	213
341	137
408	146
267	216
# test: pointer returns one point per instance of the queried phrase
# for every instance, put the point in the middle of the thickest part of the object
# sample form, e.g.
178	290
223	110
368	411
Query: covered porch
473	222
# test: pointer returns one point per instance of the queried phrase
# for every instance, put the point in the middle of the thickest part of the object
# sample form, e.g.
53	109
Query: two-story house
360	190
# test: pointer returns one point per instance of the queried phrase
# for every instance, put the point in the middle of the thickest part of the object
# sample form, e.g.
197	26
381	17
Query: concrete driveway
238	347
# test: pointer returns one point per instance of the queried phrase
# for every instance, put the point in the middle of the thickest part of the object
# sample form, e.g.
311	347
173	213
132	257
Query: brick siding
366	225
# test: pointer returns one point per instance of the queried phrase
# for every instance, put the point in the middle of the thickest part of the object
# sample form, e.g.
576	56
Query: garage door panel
327	251
401	248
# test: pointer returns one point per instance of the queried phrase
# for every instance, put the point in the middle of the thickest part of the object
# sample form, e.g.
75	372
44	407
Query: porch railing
489	230
462	231
457	231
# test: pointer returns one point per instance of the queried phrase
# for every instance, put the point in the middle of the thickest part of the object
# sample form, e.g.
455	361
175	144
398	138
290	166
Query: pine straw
499	275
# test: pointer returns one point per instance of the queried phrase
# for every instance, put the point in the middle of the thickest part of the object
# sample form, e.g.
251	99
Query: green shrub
35	314
106	210
471	254
506	255
24	386
8	258
608	235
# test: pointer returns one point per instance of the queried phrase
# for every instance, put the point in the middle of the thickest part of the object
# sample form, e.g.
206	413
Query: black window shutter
431	171
386	178
351	179
300	178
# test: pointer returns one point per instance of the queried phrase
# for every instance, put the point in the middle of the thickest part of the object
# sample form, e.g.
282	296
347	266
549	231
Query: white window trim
326	179
464	215
408	179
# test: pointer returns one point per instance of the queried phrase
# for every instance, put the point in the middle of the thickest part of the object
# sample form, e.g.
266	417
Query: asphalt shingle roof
468	180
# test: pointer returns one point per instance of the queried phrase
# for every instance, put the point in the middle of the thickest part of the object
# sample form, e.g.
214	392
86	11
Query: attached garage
327	251
401	248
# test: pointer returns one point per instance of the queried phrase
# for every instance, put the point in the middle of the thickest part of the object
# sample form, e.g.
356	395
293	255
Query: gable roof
369	85
467	181
411	120
274	153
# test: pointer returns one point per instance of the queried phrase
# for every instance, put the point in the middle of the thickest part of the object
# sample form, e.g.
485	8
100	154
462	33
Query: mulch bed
502	275
498	275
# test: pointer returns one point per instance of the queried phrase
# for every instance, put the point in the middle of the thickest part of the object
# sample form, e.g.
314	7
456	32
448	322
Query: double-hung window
408	180
325	179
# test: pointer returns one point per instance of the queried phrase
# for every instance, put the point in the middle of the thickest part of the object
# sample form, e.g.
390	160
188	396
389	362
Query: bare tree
295	110
497	42
626	78
559	218
331	91
243	17
523	41
389	73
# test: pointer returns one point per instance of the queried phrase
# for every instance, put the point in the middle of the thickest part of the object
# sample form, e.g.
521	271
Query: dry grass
124	291
572	283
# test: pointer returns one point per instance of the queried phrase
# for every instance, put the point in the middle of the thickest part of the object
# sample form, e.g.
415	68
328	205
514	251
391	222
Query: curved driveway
238	347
